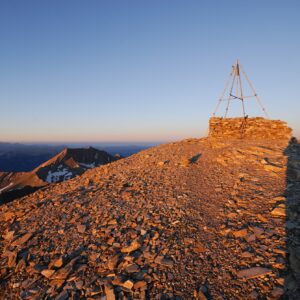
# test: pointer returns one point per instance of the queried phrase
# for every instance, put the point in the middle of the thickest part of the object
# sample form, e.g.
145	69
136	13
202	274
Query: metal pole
253	90
241	88
222	95
230	93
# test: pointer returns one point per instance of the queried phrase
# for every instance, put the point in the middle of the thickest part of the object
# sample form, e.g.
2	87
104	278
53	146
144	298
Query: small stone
7	216
21	240
261	218
231	215
12	258
58	263
79	284
132	247
257	231
164	261
162	163
132	268
278	199
110	295
143	231
9	235
139	284
188	241
156	236
48	273
81	228
253	272
278	212
280	251
240	233
185	162
16	285
110	241
272	168
280	281
199	248
94	256
63	273
251	238
128	284
199	295
112	263
112	222
246	254
62	296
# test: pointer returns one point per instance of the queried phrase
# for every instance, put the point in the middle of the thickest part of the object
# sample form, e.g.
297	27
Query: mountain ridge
191	219
17	157
68	163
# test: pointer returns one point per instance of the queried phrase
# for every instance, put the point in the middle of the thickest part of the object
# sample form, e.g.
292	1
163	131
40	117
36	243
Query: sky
140	71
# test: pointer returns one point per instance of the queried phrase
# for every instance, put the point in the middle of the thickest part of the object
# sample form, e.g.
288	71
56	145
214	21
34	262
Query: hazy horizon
90	143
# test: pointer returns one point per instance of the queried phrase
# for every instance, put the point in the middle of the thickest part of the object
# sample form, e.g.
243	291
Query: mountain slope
71	162
198	218
64	166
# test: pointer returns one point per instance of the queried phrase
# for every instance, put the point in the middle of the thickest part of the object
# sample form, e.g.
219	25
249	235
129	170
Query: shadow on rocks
292	224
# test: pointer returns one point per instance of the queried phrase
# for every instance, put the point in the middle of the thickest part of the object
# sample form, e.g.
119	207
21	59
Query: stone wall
249	128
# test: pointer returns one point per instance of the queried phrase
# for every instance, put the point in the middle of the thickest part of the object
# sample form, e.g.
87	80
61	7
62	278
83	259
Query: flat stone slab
253	272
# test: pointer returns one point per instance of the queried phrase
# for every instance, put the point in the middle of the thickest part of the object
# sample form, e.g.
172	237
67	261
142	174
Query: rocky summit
200	219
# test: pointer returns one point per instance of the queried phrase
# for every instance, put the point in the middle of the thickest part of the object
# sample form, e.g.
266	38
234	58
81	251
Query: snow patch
89	166
62	174
6	187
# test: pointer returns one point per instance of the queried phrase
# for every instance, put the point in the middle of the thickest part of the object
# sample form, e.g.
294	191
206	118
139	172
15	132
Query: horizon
88	144
140	72
108	143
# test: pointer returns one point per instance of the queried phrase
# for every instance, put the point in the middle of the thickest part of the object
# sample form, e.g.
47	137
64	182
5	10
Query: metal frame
236	82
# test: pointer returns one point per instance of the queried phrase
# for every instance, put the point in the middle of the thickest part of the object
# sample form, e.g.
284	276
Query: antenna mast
236	90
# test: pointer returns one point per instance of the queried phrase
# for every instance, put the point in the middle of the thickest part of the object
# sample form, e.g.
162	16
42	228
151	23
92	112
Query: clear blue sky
140	70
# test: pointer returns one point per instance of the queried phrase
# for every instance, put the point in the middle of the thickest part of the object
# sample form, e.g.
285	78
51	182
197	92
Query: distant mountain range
63	166
16	157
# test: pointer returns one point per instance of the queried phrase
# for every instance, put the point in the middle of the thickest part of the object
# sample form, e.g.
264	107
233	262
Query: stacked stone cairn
248	128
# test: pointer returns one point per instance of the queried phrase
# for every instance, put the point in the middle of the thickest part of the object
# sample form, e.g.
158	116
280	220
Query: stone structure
249	128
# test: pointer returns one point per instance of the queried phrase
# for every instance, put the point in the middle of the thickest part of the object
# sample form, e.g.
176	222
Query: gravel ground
196	219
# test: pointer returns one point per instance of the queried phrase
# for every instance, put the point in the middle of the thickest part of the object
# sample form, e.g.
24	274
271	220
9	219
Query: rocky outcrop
249	128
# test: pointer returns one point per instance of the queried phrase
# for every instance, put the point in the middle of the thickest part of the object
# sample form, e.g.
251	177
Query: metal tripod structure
236	90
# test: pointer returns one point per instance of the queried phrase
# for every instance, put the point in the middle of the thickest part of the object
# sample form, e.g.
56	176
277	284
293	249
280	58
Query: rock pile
250	128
